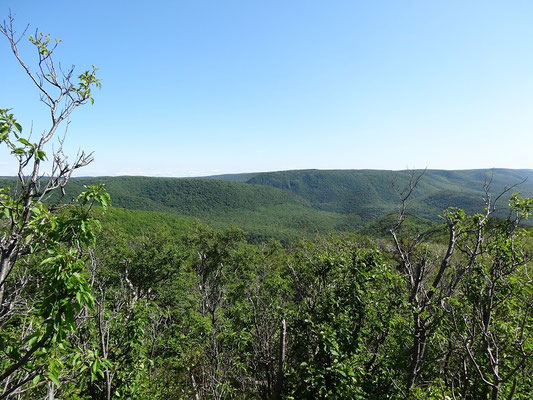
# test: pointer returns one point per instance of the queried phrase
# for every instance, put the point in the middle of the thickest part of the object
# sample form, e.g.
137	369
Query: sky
193	88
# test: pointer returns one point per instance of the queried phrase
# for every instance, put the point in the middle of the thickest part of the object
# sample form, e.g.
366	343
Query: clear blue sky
206	87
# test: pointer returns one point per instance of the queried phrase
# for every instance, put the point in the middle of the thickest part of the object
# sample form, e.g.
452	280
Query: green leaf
40	155
19	151
54	376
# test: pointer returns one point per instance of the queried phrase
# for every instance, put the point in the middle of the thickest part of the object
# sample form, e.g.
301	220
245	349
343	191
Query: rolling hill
288	204
263	211
370	193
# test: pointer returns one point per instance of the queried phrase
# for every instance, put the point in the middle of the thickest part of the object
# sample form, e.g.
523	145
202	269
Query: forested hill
371	192
262	211
287	204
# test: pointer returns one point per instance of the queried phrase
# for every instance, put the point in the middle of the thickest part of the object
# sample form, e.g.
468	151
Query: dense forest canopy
286	205
185	311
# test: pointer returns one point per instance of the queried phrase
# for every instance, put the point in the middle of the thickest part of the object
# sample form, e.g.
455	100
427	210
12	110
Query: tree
345	300
472	272
491	323
37	232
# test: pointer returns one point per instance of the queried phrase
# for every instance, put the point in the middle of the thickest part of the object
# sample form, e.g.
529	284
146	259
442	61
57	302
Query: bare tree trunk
108	385
282	351
195	387
51	391
418	351
4	272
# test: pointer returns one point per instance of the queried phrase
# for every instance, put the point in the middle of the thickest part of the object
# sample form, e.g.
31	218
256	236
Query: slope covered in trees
372	192
260	210
289	204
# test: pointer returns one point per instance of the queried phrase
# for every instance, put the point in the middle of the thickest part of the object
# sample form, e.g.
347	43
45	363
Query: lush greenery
185	311
262	211
291	204
107	303
372	193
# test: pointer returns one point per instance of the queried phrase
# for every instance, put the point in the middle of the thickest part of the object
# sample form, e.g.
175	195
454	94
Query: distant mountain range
287	204
368	191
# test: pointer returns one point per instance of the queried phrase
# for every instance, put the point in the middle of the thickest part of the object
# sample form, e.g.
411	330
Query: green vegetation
148	303
371	193
260	210
286	205
135	222
380	227
291	204
43	278
192	312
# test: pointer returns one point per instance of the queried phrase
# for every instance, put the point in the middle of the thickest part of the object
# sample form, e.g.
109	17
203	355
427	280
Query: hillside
288	204
262	211
370	193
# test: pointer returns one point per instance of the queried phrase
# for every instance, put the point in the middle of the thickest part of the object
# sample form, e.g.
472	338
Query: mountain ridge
292	203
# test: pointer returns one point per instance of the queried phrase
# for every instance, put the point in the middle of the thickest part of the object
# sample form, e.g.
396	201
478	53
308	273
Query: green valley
290	204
